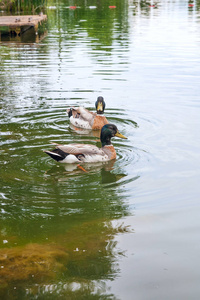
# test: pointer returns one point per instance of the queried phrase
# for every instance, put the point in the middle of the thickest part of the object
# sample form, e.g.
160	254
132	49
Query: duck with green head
76	153
83	118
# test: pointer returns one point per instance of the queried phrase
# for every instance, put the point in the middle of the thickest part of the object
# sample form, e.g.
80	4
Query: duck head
107	132
100	105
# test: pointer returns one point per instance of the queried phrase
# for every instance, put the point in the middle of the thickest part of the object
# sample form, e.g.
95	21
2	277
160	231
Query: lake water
127	229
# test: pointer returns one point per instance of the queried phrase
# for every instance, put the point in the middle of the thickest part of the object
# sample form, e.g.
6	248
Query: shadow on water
29	37
57	222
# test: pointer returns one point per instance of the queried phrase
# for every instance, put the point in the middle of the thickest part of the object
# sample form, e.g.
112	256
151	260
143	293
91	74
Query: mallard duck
76	153
83	118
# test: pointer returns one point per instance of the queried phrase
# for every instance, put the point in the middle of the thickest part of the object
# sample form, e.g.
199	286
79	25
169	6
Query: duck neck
100	112
105	141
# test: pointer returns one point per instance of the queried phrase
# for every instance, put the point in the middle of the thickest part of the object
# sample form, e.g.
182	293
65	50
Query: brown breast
99	122
110	151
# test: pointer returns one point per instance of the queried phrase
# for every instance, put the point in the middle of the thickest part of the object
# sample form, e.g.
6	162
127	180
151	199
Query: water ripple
27	168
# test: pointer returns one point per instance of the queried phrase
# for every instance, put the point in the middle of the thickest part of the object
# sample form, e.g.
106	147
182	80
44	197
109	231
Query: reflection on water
57	222
27	37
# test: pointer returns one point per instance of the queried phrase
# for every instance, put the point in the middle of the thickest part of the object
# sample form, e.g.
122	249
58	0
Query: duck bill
118	134
100	107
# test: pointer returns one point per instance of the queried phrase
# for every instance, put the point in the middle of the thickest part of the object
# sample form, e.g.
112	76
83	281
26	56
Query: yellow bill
118	134
100	106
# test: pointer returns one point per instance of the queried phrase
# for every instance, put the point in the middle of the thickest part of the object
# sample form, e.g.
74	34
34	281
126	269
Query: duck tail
56	156
74	112
69	112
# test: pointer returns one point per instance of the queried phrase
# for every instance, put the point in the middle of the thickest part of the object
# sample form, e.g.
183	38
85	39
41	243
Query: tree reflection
56	220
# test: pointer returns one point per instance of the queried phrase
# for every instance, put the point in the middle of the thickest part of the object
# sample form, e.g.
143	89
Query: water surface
128	228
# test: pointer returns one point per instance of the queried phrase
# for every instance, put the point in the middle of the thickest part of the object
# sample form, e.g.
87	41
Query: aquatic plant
33	262
76	256
22	5
6	4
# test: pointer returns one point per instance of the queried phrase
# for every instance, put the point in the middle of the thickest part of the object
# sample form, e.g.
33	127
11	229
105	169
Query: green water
126	229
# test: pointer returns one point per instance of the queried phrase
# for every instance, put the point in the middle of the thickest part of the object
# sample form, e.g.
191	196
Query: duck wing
81	113
84	149
81	117
86	114
73	153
